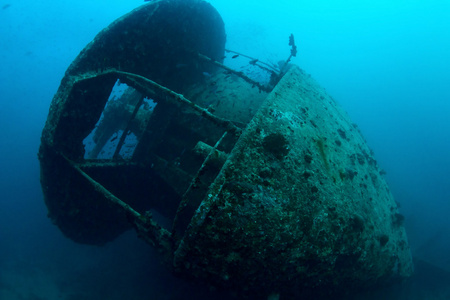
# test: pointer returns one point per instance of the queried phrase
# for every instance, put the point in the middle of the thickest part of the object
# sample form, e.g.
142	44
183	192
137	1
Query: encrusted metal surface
300	204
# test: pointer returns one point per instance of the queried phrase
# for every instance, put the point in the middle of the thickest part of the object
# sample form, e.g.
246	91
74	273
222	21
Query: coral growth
276	144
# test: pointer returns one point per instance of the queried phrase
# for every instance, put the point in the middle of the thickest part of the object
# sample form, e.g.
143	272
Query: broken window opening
166	144
119	118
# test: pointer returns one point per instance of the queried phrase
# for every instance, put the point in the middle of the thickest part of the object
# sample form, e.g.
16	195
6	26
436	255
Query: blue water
386	62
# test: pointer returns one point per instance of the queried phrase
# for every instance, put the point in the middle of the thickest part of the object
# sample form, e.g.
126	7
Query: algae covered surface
300	204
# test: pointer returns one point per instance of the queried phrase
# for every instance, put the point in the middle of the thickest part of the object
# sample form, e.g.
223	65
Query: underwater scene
191	149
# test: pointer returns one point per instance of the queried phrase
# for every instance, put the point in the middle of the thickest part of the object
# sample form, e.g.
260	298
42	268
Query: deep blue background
386	62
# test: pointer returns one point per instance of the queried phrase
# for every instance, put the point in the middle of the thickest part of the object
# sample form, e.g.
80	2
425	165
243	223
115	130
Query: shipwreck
264	189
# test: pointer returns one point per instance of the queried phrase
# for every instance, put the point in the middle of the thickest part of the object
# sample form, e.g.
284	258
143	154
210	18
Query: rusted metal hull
299	206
